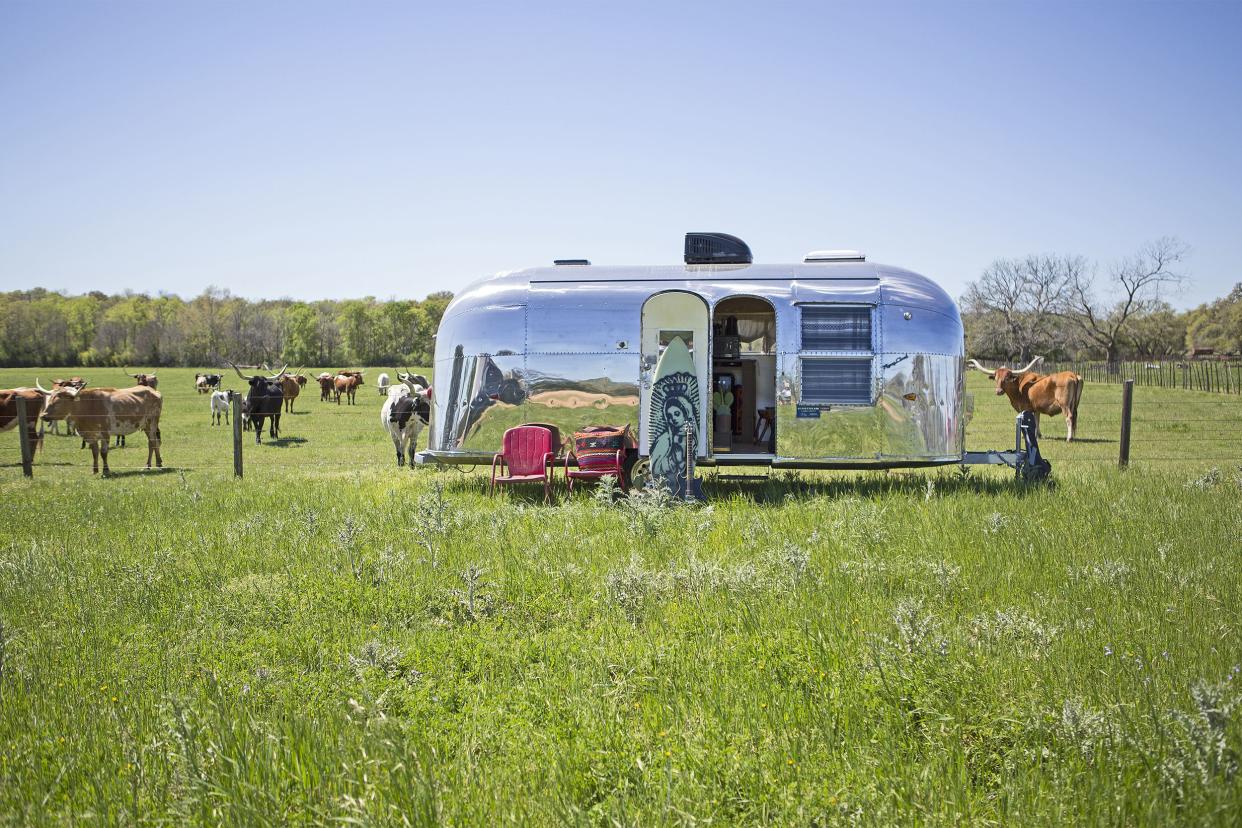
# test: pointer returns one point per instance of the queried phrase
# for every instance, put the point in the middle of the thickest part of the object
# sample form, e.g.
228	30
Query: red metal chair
615	467
525	456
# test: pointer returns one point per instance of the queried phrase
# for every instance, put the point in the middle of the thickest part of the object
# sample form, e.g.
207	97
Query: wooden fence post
1127	405
235	400
23	438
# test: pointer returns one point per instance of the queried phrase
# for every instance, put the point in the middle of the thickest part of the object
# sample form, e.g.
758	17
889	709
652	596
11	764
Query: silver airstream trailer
834	362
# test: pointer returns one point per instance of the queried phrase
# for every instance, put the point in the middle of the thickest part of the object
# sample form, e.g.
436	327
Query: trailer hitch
1024	458
1031	466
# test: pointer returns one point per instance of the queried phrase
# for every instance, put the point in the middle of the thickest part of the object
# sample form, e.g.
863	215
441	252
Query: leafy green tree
355	321
1217	325
303	345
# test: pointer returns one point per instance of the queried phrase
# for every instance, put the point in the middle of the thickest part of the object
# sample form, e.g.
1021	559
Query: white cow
405	412
220	404
382	384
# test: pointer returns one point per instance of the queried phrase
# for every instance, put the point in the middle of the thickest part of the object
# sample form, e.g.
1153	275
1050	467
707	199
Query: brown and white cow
326	386
1049	394
149	380
99	413
347	383
34	406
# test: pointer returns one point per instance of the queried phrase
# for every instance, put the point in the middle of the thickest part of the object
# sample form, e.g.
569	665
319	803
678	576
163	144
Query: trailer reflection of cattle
836	362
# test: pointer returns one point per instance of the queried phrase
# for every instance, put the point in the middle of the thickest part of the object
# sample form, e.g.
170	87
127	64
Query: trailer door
675	313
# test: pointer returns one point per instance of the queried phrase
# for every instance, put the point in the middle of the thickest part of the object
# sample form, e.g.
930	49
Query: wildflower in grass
944	575
1083	729
995	523
917	628
1107	572
473	603
1012	627
1201	748
788	564
374	655
1209	480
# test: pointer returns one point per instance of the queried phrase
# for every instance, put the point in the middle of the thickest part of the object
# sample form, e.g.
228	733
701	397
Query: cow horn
126	372
279	373
40	387
975	363
239	373
1029	365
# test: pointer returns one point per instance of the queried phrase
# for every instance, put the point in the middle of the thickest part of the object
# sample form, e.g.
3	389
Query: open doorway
744	377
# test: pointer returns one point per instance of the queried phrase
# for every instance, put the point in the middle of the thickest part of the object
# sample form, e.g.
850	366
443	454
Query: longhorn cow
34	405
264	400
405	412
149	380
291	386
346	383
99	413
326	386
72	382
206	383
1049	394
220	402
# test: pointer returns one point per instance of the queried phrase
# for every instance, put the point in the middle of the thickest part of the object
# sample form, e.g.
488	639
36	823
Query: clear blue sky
313	149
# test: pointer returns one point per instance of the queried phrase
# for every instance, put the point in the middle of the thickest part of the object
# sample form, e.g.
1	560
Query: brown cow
347	383
290	386
1049	394
8	411
99	413
326	386
149	380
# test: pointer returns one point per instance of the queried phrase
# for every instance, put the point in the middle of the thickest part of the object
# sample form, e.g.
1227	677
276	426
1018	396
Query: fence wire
1168	430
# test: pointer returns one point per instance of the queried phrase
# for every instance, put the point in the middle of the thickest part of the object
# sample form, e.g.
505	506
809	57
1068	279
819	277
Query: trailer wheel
637	470
1033	472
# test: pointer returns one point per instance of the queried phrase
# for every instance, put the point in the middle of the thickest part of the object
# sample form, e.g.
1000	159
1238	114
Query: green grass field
335	640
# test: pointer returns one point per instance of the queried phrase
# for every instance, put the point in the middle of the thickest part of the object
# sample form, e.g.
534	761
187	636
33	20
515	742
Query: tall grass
348	642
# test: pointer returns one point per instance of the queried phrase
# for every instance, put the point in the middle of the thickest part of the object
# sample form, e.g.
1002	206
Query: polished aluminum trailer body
564	345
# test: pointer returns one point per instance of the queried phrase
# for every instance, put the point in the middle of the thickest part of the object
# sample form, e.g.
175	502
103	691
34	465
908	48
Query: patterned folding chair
525	457
599	451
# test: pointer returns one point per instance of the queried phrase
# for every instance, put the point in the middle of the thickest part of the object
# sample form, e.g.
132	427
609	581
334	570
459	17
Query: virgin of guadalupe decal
674	407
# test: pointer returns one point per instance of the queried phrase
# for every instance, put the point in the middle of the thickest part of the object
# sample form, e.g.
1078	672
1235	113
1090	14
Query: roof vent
835	256
571	262
716	248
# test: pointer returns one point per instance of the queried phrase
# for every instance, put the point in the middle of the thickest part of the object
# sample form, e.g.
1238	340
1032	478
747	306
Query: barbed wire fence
1172	430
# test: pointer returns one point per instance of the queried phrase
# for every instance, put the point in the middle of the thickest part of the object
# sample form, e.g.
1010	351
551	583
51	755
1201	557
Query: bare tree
1017	301
1131	289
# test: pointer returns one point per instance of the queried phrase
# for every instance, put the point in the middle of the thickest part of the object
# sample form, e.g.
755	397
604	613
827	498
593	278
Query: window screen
836	381
836	328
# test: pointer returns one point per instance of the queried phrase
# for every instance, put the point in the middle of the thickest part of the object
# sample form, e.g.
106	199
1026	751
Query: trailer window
836	327
836	381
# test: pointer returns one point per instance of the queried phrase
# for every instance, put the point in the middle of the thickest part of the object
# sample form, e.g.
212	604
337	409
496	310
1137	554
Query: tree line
1070	308
1059	306
41	327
